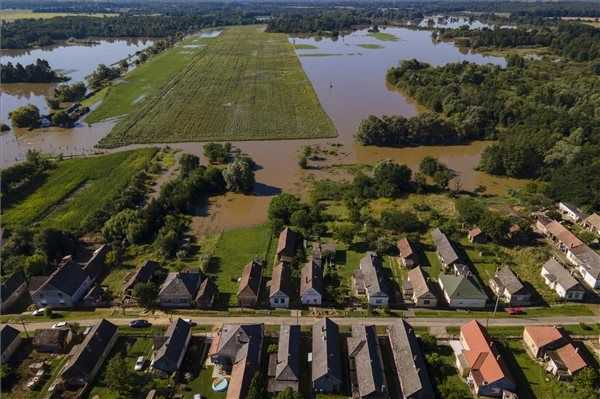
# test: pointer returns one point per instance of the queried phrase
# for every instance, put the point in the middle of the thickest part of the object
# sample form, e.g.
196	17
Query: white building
587	262
560	280
570	211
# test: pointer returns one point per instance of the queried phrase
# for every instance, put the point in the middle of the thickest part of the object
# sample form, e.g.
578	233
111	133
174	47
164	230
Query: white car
197	396
139	363
38	312
60	324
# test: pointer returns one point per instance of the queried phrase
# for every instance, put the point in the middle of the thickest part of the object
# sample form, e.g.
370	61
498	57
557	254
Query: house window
378	301
60	294
425	301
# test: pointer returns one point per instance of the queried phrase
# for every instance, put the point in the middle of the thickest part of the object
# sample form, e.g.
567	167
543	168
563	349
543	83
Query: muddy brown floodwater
350	83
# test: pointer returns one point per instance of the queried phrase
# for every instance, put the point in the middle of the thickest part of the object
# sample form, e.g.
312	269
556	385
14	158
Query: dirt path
165	176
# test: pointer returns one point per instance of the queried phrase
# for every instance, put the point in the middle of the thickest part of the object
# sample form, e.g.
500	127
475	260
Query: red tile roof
571	358
404	248
482	358
543	335
561	233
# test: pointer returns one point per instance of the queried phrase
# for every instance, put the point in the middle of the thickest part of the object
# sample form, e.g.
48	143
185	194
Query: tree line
37	72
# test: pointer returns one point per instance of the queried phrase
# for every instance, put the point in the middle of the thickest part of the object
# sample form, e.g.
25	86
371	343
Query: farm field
144	81
13	15
76	189
245	85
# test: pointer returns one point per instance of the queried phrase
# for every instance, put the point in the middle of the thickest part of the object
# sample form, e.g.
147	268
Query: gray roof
143	274
506	278
288	354
66	278
207	290
95	267
326	356
234	337
7	336
168	354
589	259
444	246
410	363
178	283
561	275
280	280
369	273
16	280
363	346
311	277
89	352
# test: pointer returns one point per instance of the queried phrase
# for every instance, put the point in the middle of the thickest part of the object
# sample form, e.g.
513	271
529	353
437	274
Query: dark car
139	323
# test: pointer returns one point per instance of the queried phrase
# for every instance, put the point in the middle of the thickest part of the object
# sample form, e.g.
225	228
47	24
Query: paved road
274	320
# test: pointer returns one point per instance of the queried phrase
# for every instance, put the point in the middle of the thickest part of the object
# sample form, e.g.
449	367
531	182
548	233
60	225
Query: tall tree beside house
120	377
146	294
257	388
289	393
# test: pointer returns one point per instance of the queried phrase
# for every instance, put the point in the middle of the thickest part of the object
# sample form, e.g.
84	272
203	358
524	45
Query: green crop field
13	15
76	189
144	81
246	84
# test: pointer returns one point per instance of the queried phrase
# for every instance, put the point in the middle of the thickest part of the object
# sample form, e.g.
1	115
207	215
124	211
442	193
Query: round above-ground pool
220	385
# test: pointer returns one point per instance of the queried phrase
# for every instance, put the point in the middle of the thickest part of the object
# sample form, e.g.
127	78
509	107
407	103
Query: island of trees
37	72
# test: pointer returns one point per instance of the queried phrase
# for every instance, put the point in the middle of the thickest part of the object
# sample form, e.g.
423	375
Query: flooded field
349	80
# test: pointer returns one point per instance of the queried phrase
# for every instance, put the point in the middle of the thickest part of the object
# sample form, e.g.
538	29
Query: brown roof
51	336
311	277
543	335
405	248
142	274
287	242
418	282
563	235
207	290
482	358
474	232
280	279
593	220
251	278
570	358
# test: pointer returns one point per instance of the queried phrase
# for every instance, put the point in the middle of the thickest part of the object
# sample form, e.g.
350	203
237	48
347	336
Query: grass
76	189
145	80
203	385
556	310
370	46
384	37
246	84
305	47
13	15
233	251
445	374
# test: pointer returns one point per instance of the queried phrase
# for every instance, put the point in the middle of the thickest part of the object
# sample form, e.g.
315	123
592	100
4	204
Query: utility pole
24	327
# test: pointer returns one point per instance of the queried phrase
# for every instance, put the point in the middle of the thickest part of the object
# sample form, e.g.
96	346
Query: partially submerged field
76	189
245	85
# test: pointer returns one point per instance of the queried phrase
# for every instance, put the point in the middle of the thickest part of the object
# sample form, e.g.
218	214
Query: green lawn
246	84
76	189
445	375
383	36
145	80
370	46
555	310
203	385
234	250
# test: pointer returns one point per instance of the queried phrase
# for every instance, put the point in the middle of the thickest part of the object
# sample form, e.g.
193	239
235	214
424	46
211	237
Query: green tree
257	388
429	166
62	119
289	393
119	377
345	232
239	175
494	226
146	294
282	207
442	178
36	264
70	93
26	116
391	179
115	228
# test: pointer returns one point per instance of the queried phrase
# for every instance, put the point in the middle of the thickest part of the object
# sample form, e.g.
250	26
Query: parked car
140	323
139	363
60	324
38	312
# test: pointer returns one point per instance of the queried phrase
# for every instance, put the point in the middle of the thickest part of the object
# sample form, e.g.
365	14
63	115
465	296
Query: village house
250	283
587	262
13	292
284	366
279	293
95	267
367	280
95	297
207	293
142	274
64	288
53	340
592	223
236	350
539	340
287	245
565	362
560	280
9	342
461	292
411	368
417	289
324	251
86	358
507	286
179	289
562	237
327	374
570	212
542	222
475	235
367	375
170	349
481	362
407	254
444	248
311	283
